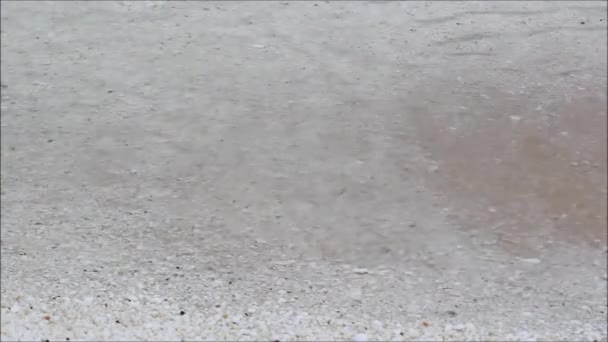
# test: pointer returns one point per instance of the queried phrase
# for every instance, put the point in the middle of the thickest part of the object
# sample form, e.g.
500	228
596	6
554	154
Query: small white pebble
531	260
361	271
411	332
515	118
360	338
460	327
